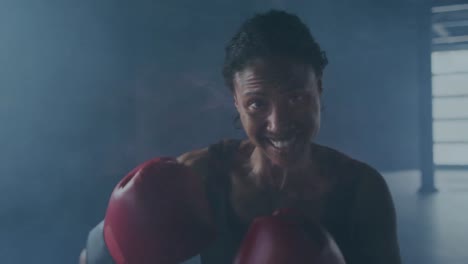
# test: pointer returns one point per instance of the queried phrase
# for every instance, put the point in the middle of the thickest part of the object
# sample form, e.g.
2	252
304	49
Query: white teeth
282	143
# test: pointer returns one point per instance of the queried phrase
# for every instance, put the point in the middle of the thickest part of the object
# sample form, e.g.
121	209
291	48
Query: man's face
278	101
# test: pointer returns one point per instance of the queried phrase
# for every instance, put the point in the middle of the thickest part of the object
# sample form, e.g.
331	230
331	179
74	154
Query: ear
236	103
320	86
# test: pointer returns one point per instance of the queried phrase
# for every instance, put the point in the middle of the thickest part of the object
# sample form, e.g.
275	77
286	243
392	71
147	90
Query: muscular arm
374	233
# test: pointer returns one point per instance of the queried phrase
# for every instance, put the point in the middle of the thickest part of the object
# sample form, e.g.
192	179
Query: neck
265	173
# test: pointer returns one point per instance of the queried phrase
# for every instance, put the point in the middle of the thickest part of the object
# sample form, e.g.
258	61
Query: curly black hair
274	33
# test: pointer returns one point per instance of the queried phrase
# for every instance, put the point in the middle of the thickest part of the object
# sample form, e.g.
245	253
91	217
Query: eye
297	98
256	104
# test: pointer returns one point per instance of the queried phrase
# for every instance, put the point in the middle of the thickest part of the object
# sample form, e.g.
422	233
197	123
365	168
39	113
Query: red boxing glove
158	214
286	237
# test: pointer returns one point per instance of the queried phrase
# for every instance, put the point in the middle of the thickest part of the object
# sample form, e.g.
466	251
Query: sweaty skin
252	195
278	99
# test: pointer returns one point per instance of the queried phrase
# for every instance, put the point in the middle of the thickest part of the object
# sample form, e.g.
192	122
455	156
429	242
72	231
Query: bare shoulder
193	157
198	160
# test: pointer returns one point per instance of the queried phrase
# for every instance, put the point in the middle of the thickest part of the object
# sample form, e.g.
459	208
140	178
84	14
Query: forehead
275	74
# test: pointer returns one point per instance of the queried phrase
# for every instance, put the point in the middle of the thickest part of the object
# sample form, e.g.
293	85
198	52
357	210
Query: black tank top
230	229
358	193
217	182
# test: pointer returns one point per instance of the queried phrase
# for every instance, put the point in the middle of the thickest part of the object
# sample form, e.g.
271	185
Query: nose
279	121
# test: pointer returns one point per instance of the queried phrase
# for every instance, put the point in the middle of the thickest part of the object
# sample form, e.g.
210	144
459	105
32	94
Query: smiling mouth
282	144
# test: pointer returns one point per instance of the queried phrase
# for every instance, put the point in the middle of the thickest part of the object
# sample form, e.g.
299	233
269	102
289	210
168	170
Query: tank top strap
221	158
217	184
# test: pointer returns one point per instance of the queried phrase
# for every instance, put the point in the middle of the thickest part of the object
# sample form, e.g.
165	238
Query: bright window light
450	107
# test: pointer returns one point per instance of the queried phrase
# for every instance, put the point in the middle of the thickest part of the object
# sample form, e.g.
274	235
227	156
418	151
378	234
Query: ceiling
449	25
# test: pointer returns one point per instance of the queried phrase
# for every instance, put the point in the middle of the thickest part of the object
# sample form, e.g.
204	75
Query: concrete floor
433	229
